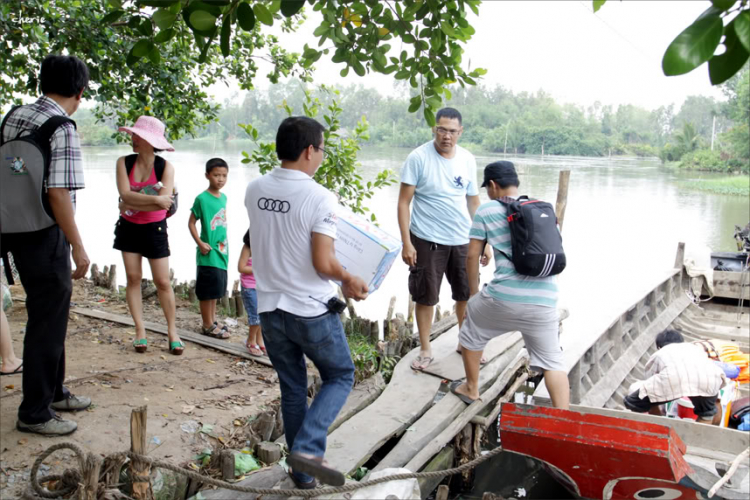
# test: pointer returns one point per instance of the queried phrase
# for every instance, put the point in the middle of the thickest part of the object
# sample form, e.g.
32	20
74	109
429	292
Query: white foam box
364	249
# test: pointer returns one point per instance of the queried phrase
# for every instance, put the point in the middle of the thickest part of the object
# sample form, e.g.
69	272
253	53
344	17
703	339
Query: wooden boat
597	449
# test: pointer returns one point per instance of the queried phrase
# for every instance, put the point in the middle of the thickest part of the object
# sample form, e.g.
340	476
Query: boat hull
601	456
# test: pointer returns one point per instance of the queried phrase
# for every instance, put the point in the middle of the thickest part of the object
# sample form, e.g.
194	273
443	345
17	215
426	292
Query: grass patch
736	185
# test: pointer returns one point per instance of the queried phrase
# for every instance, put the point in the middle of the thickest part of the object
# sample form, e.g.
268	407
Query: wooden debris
268	453
442	492
227	464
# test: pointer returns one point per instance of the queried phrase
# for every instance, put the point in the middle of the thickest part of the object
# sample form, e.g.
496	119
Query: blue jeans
250	299
289	338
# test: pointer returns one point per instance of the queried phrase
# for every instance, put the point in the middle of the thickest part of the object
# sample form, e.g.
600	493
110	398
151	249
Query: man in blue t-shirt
441	178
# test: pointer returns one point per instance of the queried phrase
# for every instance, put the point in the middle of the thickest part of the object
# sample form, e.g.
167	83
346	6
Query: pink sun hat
151	130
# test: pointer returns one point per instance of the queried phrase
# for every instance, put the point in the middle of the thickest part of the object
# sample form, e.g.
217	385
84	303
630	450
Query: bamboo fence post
562	197
139	472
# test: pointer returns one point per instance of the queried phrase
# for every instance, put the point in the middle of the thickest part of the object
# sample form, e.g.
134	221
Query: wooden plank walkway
196	338
408	395
447	409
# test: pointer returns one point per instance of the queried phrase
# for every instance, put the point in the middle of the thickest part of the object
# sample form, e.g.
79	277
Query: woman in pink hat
145	182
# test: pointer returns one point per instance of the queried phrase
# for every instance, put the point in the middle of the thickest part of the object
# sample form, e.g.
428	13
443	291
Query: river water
623	221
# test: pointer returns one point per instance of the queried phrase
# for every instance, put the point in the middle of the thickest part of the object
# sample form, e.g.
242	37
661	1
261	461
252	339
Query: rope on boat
72	478
735	465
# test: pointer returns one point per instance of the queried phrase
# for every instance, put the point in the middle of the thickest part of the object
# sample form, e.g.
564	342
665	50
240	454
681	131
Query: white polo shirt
285	207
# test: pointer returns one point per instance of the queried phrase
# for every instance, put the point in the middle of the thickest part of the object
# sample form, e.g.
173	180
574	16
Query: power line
611	28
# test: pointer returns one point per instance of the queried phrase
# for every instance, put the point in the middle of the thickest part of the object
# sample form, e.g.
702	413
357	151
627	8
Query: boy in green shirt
210	208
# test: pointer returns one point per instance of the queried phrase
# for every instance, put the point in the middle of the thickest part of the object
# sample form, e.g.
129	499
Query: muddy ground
202	386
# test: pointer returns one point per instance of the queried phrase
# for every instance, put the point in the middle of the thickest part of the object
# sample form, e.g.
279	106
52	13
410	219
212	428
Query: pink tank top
144	217
248	280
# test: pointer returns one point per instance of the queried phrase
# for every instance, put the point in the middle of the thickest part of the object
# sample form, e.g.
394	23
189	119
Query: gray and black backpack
24	168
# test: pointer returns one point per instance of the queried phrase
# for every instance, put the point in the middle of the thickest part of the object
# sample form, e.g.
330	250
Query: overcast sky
613	56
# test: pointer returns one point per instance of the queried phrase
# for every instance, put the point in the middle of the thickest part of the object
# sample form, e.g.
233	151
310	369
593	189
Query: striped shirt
66	164
681	370
490	224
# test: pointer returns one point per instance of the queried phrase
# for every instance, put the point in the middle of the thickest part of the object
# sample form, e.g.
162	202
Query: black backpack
535	240
159	166
24	168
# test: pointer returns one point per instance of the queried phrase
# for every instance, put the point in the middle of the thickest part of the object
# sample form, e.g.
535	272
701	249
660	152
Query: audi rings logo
274	205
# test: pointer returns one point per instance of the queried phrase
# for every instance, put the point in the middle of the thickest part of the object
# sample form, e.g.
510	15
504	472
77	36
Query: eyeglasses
325	153
445	131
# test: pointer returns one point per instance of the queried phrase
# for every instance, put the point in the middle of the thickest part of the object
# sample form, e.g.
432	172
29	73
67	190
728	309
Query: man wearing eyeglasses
441	179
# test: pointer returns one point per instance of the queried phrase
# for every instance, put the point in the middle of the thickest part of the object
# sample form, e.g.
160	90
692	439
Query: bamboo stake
562	197
139	472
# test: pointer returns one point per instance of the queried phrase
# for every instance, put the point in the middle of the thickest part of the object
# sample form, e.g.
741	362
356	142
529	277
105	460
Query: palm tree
688	138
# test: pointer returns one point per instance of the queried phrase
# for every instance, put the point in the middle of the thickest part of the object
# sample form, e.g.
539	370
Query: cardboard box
364	249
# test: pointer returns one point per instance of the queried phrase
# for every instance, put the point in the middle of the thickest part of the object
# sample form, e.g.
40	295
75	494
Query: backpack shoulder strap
2	126
159	165
129	162
44	133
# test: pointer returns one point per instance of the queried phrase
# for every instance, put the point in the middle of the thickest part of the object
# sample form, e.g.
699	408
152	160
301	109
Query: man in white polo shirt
292	232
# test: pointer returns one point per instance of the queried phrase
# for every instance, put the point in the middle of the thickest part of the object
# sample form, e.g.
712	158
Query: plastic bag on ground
243	464
403	489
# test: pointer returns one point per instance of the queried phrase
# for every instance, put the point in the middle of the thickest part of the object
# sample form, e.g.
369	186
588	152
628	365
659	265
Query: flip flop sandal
317	468
421	363
211	332
17	371
263	348
256	347
482	361
140	345
463	397
177	347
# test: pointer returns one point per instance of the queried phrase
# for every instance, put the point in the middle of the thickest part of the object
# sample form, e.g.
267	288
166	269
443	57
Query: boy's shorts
488	317
250	299
434	260
210	283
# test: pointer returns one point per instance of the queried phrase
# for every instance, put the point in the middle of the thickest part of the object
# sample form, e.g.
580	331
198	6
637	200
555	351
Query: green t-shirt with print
212	214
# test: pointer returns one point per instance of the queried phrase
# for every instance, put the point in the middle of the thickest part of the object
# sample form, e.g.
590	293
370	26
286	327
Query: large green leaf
429	116
164	19
112	16
226	32
694	46
142	47
164	36
723	4
722	67
742	28
202	20
246	17
263	14
291	7
598	4
155	55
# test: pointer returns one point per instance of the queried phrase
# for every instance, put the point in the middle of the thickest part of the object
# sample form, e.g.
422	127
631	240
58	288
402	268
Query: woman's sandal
215	332
140	345
177	348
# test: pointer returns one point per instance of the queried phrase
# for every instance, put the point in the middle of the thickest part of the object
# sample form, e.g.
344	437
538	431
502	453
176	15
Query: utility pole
713	133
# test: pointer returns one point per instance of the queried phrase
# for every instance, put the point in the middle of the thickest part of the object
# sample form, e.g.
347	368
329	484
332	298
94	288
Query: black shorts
149	240
210	283
703	406
434	260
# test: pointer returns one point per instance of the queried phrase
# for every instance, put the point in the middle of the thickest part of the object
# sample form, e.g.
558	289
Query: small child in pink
255	345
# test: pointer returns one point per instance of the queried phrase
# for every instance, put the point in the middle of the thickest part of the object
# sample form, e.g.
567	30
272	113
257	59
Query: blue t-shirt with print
440	213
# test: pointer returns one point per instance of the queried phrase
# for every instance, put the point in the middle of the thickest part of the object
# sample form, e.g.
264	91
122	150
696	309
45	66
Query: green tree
339	171
688	138
159	56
